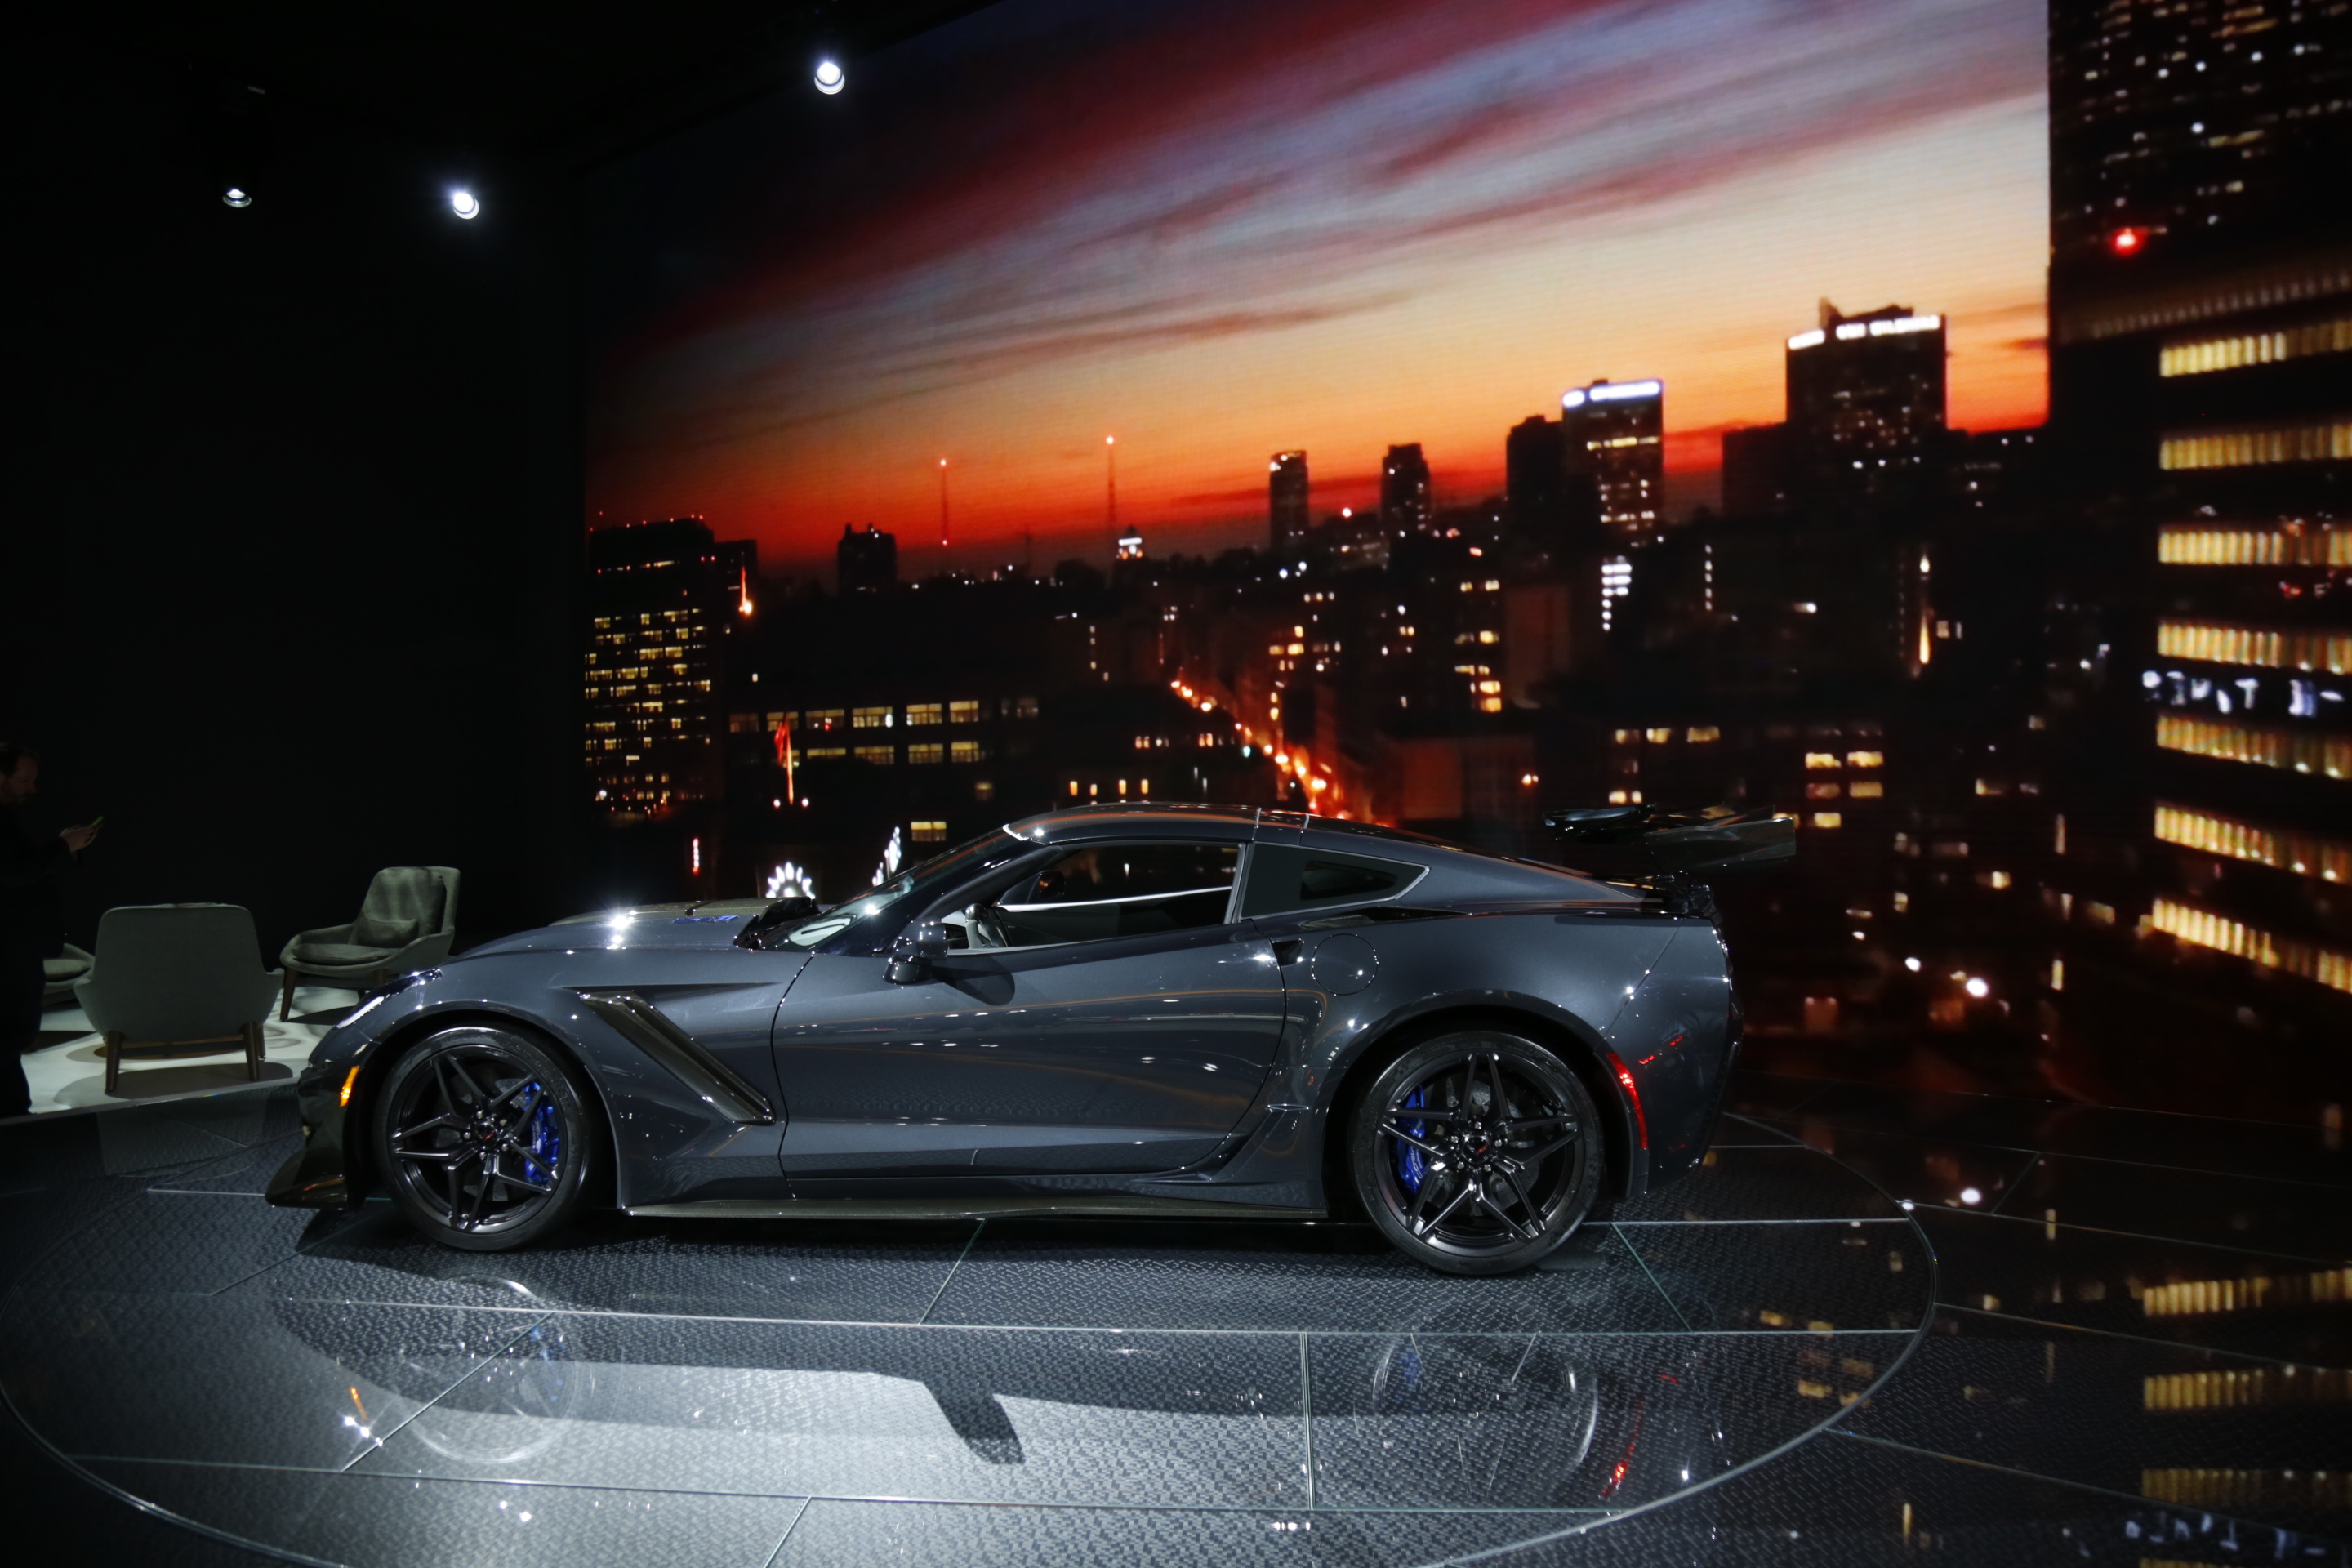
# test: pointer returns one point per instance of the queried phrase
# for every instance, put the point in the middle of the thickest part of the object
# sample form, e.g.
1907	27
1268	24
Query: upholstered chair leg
113	1059
253	1052
285	1002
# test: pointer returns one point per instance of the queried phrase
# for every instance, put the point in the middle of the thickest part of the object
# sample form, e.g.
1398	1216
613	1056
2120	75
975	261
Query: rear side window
1281	879
1115	890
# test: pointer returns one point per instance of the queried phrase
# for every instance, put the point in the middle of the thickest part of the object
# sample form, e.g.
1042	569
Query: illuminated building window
2266	647
2258	449
825	753
928	832
1828	820
2202	928
2239	1387
963	713
883	756
2202	356
922	753
824	718
1627	737
1866	789
1025	707
924	713
1949	850
1659	737
2288	544
1820	760
1625	797
1995	879
2292	751
962	752
869	717
1865	759
1700	734
2192	1298
983	790
2305	854
1821	791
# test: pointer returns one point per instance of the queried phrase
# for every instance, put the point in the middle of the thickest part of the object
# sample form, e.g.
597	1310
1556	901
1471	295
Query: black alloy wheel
485	1137
1476	1153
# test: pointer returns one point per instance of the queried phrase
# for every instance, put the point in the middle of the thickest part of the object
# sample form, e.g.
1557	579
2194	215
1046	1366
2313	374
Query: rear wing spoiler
1672	850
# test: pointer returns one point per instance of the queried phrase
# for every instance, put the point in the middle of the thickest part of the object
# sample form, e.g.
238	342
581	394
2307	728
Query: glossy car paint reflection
1133	1053
1208	1064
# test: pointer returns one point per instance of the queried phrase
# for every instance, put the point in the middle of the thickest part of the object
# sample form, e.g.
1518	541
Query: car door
1108	1012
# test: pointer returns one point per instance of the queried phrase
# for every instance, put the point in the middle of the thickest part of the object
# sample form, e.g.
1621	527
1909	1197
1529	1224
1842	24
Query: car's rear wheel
485	1137
1476	1153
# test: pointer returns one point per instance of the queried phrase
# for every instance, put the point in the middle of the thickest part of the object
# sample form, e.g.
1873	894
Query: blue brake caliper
1411	1163
546	1141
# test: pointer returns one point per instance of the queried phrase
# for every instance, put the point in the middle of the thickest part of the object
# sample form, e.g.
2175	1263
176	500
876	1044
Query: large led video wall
1070	263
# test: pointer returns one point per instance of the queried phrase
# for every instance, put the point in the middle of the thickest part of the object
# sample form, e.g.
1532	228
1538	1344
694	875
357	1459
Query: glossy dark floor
1879	1324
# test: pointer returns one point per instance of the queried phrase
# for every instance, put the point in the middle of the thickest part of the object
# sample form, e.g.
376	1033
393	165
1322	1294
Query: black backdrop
291	528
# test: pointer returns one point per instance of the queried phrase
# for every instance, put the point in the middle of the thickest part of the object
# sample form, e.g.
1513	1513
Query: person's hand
78	838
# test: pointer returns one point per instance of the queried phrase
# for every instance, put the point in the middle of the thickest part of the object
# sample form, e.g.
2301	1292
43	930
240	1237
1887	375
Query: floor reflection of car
1129	1010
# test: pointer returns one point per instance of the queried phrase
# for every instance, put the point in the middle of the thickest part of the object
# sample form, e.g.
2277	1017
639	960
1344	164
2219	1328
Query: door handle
1288	951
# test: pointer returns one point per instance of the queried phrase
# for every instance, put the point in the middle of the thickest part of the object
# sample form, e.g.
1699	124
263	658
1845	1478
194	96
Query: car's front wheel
1476	1153
485	1137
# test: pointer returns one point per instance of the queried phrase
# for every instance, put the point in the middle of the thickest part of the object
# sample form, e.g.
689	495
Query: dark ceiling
555	85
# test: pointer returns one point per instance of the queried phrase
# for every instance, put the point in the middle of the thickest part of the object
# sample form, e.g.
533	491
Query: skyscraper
2196	127
1615	432
662	598
2200	316
1405	505
1287	501
1866	404
866	562
1534	481
2196	160
1755	471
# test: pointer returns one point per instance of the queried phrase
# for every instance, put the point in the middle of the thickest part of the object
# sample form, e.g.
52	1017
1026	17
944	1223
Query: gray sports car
1156	1010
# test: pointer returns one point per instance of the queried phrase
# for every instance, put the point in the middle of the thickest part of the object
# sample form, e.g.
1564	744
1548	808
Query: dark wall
291	528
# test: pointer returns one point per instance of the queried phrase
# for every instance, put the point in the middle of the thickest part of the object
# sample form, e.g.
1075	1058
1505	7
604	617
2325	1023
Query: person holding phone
26	868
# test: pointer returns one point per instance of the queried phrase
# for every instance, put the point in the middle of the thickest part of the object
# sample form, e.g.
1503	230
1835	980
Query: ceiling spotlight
465	204
236	197
829	79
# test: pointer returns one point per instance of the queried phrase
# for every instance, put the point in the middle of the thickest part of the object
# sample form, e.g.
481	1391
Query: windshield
915	885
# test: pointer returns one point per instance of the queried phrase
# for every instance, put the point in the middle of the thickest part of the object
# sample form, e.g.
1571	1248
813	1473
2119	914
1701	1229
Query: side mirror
911	953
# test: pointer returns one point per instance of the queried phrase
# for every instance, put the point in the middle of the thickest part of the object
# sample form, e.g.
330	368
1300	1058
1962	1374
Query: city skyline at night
1330	229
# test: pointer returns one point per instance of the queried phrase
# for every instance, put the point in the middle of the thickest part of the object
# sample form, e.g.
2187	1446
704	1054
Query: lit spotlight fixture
829	79
465	204
236	197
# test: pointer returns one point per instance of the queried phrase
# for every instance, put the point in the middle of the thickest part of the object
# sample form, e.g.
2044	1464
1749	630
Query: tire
1458	1189
486	1138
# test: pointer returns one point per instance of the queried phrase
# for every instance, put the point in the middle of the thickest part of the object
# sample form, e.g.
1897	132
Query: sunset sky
1218	230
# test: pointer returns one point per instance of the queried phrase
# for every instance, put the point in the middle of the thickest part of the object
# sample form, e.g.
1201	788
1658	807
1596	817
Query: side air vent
717	1085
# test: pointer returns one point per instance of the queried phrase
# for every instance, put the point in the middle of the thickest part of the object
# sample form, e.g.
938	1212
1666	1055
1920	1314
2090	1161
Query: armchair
60	975
406	921
174	978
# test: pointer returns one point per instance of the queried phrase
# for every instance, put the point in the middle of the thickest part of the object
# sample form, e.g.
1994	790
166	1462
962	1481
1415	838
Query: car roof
1187	819
1174	819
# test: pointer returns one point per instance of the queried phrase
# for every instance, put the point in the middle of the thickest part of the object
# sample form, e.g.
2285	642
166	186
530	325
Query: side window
1110	889
1281	879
